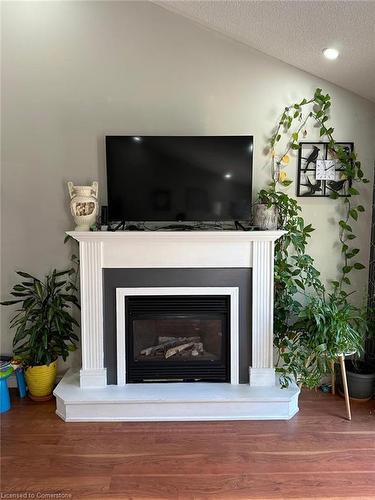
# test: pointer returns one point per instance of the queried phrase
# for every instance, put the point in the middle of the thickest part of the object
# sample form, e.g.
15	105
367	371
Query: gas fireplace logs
175	350
170	346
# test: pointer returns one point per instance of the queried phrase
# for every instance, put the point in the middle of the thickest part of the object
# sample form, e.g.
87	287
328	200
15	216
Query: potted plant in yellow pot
44	327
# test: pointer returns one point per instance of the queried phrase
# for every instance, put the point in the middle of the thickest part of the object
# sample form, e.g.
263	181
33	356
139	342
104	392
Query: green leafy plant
325	328
296	277
44	323
294	270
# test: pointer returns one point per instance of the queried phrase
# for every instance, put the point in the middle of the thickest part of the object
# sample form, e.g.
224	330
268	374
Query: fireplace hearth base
173	402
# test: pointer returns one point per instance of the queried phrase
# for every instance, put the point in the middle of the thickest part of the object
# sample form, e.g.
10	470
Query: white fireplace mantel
176	249
85	396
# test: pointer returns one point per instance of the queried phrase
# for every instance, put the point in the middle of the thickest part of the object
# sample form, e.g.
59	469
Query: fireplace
177	338
207	293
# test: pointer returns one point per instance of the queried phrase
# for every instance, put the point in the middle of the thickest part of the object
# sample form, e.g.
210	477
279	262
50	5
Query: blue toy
4	391
5	372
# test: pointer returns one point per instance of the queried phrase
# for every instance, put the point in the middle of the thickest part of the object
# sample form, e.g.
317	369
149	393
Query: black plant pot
361	379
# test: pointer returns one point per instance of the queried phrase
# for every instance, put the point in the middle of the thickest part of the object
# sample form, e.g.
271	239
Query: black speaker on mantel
104	216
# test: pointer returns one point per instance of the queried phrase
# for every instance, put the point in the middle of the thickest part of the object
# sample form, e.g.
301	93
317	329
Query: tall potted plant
44	327
326	328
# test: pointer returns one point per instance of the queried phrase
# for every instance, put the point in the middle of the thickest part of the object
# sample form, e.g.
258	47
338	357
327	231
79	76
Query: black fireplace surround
212	368
177	338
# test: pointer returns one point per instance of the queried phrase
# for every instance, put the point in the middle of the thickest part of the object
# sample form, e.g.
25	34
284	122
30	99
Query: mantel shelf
214	236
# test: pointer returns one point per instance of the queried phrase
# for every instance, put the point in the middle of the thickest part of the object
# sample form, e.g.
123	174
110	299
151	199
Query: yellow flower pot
40	380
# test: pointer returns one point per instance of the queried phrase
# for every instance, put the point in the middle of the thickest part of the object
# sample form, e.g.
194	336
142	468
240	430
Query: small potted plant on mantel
265	211
44	327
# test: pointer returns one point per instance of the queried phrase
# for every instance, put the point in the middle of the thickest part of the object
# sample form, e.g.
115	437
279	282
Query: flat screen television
179	178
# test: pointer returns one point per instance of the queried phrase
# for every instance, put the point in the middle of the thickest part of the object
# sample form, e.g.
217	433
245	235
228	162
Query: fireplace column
93	374
262	372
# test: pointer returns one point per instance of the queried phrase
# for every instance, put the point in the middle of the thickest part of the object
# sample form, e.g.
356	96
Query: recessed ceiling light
228	175
331	53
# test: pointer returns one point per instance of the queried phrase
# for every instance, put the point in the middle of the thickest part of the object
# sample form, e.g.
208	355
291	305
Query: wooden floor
318	454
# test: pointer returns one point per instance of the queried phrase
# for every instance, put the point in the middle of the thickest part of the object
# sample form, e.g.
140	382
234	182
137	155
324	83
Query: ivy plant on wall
295	272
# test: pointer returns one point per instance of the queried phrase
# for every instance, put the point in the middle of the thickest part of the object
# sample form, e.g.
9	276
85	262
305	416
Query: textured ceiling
297	31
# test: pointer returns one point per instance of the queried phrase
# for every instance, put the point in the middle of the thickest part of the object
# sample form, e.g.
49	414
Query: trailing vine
316	109
294	269
295	273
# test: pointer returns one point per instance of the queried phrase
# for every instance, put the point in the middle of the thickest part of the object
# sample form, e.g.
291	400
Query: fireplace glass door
177	338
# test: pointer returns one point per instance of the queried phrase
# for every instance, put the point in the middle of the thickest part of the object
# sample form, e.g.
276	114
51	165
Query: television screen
154	178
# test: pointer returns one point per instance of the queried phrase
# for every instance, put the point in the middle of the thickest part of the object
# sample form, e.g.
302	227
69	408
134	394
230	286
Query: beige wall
74	71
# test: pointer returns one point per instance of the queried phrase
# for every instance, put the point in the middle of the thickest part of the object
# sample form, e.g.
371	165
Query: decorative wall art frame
319	172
